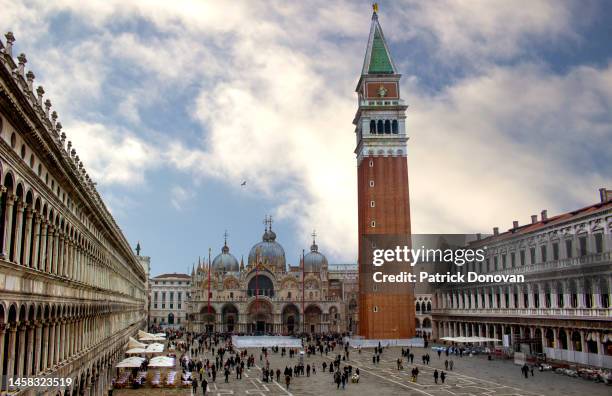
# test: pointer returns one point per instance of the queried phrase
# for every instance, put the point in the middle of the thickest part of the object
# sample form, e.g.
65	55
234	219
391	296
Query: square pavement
470	376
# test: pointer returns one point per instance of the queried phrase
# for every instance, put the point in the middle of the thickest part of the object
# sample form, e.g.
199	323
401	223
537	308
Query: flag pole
209	269
303	294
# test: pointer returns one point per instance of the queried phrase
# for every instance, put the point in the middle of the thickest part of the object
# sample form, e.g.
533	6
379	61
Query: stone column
36	246
60	253
49	248
600	350
65	340
58	341
2	333
596	294
71	266
56	264
567	295
18	226
10	352
42	257
52	342
29	349
8	225
45	347
37	347
580	283
28	237
22	360
66	255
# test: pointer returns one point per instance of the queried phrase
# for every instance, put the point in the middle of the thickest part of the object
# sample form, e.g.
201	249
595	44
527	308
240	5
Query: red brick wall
396	316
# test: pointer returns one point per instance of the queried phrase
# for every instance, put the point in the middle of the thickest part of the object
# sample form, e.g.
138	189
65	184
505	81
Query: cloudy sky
172	104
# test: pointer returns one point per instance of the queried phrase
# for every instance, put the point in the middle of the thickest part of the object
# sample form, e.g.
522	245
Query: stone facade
267	296
71	290
563	307
168	300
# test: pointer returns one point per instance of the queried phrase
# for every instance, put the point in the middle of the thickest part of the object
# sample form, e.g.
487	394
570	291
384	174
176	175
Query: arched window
379	126
260	285
394	126
387	126
372	126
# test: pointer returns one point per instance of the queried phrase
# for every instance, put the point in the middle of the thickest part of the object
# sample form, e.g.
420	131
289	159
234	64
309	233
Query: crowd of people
206	356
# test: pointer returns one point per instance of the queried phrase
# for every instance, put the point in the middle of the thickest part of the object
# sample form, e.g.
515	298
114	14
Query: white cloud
179	196
275	102
111	155
479	31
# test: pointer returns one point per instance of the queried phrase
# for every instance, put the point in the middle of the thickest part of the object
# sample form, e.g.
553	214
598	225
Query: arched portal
229	317
291	319
208	317
312	318
260	319
170	318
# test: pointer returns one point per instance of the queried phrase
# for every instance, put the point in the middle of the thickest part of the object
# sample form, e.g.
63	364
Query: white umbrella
132	343
161	361
155	348
131	362
135	351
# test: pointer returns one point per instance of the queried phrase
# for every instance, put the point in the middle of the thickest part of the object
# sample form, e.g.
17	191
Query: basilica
269	296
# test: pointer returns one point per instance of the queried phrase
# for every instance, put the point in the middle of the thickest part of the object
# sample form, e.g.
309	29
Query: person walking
451	364
442	376
446	364
435	374
204	386
287	381
194	386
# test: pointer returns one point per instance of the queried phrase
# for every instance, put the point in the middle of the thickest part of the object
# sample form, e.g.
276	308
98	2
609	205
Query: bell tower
385	311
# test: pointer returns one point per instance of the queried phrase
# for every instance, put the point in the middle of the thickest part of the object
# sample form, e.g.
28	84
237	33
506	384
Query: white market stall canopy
135	351
132	343
466	340
161	361
131	362
154	348
143	336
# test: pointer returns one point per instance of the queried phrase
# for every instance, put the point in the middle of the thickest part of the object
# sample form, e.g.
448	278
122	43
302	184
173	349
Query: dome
225	262
269	251
314	261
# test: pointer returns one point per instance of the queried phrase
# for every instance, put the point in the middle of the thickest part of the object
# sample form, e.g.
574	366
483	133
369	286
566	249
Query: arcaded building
563	307
268	296
71	289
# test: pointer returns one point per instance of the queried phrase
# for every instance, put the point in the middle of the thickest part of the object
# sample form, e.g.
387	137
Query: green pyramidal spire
377	59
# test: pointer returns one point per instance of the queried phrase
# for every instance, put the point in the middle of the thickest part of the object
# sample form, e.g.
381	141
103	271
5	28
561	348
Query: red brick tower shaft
385	310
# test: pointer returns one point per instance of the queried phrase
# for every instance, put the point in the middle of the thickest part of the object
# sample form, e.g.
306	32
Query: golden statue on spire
375	8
